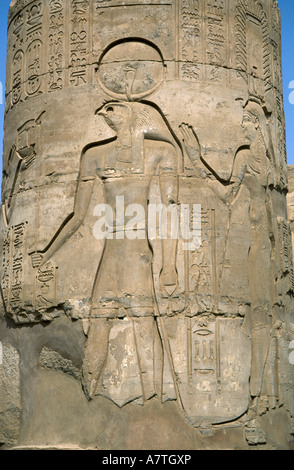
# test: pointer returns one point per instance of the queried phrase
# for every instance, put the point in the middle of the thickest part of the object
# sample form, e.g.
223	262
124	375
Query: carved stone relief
144	233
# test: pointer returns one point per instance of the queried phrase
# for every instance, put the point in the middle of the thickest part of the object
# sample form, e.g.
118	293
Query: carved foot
254	434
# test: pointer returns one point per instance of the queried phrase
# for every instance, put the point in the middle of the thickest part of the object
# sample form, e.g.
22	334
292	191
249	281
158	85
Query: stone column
147	272
290	201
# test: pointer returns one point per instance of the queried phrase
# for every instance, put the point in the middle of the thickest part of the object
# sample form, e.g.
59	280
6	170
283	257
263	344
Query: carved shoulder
92	157
240	163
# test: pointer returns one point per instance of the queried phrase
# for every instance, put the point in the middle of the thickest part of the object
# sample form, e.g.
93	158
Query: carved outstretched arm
193	149
269	202
239	171
227	193
70	224
24	162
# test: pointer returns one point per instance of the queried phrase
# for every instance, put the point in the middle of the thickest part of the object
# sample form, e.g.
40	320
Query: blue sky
287	12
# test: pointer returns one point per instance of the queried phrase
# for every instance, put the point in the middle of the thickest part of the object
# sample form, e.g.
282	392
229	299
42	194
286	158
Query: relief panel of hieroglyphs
56	45
252	46
42	64
13	253
79	37
26	74
22	286
286	254
202	37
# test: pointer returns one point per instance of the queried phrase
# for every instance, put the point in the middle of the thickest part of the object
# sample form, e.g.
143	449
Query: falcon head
116	114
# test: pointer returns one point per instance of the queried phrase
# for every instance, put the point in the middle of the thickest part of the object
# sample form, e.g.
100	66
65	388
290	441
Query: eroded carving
131	69
253	169
10	404
22	156
13	267
144	143
195	327
79	42
251	32
17	77
56	45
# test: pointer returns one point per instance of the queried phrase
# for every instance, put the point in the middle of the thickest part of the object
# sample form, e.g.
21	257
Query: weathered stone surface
128	337
10	406
290	199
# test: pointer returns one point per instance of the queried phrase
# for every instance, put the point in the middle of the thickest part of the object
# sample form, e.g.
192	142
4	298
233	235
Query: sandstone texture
290	199
146	256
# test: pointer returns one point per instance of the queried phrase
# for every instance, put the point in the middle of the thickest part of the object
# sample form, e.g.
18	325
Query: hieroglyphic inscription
216	38
34	14
117	3
204	351
79	38
17	265
202	266
190	25
202	37
275	40
281	141
56	45
34	52
17	64
277	67
45	291
201	258
286	253
13	254
251	32
33	68
16	268
25	76
19	5
5	278
17	25
17	77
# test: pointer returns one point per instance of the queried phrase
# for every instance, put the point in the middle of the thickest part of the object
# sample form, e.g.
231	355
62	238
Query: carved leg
262	371
260	347
150	356
95	356
260	337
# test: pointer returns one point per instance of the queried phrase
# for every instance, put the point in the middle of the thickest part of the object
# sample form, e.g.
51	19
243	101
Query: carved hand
191	141
27	157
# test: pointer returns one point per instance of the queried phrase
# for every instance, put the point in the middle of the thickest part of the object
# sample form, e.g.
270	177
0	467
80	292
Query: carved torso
119	290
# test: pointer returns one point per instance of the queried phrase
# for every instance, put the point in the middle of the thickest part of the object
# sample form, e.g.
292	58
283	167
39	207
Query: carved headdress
254	108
